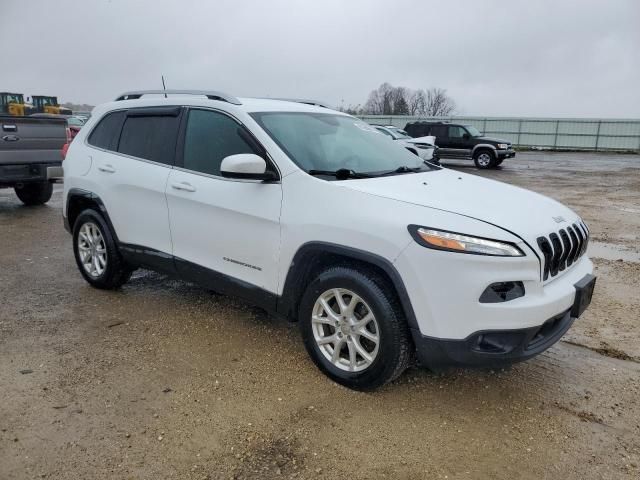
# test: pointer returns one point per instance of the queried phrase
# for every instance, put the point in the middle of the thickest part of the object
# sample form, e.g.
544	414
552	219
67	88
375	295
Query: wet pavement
166	380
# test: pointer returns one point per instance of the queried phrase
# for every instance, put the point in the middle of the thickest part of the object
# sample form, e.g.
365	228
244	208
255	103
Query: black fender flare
91	199
287	302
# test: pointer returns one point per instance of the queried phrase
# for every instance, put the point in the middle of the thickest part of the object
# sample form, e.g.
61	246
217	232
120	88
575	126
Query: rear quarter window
107	132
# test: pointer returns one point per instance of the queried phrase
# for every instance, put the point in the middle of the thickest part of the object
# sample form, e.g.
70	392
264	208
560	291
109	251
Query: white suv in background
314	216
424	147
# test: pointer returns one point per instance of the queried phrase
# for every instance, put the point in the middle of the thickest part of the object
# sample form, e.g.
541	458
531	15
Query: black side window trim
179	156
155	112
140	112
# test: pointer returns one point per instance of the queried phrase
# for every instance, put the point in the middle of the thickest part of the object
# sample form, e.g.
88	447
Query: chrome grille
561	249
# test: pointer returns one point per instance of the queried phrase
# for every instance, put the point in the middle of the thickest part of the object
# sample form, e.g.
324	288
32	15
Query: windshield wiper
402	169
340	174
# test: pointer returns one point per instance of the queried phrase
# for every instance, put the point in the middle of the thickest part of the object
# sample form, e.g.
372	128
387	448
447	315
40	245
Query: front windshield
399	133
329	142
473	131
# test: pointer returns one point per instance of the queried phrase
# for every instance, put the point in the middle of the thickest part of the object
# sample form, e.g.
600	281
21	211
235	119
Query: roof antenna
164	86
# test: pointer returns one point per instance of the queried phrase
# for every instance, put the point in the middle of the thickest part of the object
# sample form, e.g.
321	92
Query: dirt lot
166	380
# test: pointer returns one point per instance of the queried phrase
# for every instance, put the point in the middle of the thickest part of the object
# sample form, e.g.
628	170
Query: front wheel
354	329
34	193
484	159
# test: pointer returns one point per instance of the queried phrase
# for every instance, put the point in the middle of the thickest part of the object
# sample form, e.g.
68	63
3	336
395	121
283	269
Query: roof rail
211	95
301	100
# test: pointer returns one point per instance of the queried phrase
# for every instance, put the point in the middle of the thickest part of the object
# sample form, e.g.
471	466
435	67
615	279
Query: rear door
226	232
131	172
442	138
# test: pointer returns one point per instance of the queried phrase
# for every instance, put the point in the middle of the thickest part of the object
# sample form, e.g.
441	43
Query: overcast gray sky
534	58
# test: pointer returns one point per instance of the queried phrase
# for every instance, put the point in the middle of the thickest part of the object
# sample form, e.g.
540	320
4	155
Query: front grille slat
563	248
566	248
580	233
545	247
586	238
573	254
557	253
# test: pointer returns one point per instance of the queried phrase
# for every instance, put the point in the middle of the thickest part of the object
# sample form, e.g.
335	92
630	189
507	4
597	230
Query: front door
226	232
458	143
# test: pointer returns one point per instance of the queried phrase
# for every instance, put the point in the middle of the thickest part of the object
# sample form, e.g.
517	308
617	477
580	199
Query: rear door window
150	136
439	131
106	134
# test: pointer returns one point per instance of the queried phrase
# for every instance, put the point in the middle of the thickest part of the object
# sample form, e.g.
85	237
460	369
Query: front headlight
458	242
503	146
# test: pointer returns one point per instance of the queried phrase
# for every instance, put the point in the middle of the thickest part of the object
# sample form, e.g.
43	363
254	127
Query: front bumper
492	348
502	154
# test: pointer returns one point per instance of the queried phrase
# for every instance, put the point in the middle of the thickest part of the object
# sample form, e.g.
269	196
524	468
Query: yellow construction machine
47	104
13	104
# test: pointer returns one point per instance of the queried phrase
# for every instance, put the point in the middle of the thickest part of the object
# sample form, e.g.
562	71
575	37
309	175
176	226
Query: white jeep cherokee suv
313	215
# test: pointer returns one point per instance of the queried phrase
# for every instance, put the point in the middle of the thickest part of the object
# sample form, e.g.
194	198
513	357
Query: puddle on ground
609	251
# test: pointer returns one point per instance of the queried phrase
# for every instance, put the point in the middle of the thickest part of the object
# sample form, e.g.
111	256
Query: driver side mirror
466	136
246	166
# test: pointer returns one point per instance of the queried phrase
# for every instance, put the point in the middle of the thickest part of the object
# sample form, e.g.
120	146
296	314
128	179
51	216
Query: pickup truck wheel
353	328
34	193
484	159
96	253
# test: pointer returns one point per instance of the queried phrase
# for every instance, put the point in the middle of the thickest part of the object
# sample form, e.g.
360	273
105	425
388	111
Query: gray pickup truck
31	155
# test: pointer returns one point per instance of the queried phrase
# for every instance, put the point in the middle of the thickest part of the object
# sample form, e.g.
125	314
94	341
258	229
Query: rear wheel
34	193
353	328
96	253
484	159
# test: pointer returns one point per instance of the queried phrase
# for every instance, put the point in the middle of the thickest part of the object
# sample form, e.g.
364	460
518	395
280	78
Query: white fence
549	133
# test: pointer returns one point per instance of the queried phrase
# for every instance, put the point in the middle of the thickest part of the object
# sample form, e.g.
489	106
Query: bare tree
390	100
417	102
438	104
399	100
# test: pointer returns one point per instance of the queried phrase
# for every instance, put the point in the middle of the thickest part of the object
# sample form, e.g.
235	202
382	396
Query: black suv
463	141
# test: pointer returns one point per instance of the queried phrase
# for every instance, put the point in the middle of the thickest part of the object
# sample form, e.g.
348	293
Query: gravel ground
166	380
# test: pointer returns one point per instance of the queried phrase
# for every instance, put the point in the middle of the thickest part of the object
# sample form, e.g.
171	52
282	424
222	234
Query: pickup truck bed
30	155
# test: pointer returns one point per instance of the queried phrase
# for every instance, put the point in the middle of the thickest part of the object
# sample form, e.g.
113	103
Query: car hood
523	212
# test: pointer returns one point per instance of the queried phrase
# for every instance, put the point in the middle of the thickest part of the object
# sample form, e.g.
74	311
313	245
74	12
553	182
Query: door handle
107	169
184	186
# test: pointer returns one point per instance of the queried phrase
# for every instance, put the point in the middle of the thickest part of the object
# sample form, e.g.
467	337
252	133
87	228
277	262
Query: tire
34	193
484	159
387	358
112	272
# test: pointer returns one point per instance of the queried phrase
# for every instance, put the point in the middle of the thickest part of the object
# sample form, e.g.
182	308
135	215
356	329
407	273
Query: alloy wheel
345	330
92	249
484	159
